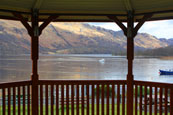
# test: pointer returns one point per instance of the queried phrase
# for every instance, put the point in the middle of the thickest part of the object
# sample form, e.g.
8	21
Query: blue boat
165	72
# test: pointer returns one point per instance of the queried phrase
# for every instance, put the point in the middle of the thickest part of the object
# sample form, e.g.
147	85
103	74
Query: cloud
109	25
160	29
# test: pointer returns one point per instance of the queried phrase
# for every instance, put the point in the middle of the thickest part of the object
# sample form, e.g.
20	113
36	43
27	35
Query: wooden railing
86	97
15	98
82	97
151	97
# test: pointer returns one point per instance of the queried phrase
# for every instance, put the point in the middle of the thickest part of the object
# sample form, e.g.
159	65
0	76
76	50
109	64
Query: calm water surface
16	68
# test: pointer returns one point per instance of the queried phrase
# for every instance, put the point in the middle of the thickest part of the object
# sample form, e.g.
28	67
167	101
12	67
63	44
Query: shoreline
166	58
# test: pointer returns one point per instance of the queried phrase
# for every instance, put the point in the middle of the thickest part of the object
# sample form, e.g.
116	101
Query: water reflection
15	68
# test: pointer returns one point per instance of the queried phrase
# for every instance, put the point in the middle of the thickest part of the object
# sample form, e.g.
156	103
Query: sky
160	29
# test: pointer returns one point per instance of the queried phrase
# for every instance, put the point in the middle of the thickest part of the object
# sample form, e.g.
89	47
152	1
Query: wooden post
130	32
130	57
34	31
34	57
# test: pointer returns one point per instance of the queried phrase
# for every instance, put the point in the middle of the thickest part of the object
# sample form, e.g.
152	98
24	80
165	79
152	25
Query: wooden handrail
47	82
153	84
80	82
15	84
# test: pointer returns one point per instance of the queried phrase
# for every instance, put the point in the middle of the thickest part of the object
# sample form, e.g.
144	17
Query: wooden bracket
29	28
24	22
46	22
119	23
137	27
141	22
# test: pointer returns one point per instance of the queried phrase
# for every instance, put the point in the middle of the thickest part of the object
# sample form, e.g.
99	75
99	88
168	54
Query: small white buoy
102	61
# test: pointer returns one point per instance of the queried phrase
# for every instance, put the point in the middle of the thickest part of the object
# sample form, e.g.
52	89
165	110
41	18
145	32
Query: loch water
83	66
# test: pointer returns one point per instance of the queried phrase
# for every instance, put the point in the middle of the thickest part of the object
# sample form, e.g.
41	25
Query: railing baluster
155	102
118	99
103	93
14	100
159	98
28	99
140	104
123	100
23	100
162	96
9	101
72	99
19	110
57	99
52	99
41	99
107	99
3	101
136	99
113	98
67	99
166	101
171	101
47	100
62	99
151	100
97	94
93	99
160	101
88	99
0	101
82	99
77	99
146	100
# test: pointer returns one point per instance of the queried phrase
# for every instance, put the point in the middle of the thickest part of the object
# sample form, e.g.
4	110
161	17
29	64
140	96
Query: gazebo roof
87	10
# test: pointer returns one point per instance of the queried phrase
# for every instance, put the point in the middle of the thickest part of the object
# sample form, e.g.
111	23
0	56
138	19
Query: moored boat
166	72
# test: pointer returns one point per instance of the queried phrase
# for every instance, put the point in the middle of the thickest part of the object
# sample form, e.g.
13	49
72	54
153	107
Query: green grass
75	109
85	109
65	110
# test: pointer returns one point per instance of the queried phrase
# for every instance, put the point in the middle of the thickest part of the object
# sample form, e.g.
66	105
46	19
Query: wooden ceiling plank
37	4
128	5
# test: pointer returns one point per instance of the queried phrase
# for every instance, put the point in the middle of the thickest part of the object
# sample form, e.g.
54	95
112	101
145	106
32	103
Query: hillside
71	38
165	51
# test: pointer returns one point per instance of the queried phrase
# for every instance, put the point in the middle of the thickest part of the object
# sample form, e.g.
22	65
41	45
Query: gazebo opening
80	97
73	58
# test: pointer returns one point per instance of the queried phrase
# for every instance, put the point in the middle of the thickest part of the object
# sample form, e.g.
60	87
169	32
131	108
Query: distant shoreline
95	55
166	57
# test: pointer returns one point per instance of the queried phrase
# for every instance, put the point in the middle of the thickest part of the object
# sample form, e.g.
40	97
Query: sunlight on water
15	68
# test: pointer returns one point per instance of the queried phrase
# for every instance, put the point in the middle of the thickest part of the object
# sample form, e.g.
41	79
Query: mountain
168	41
71	38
